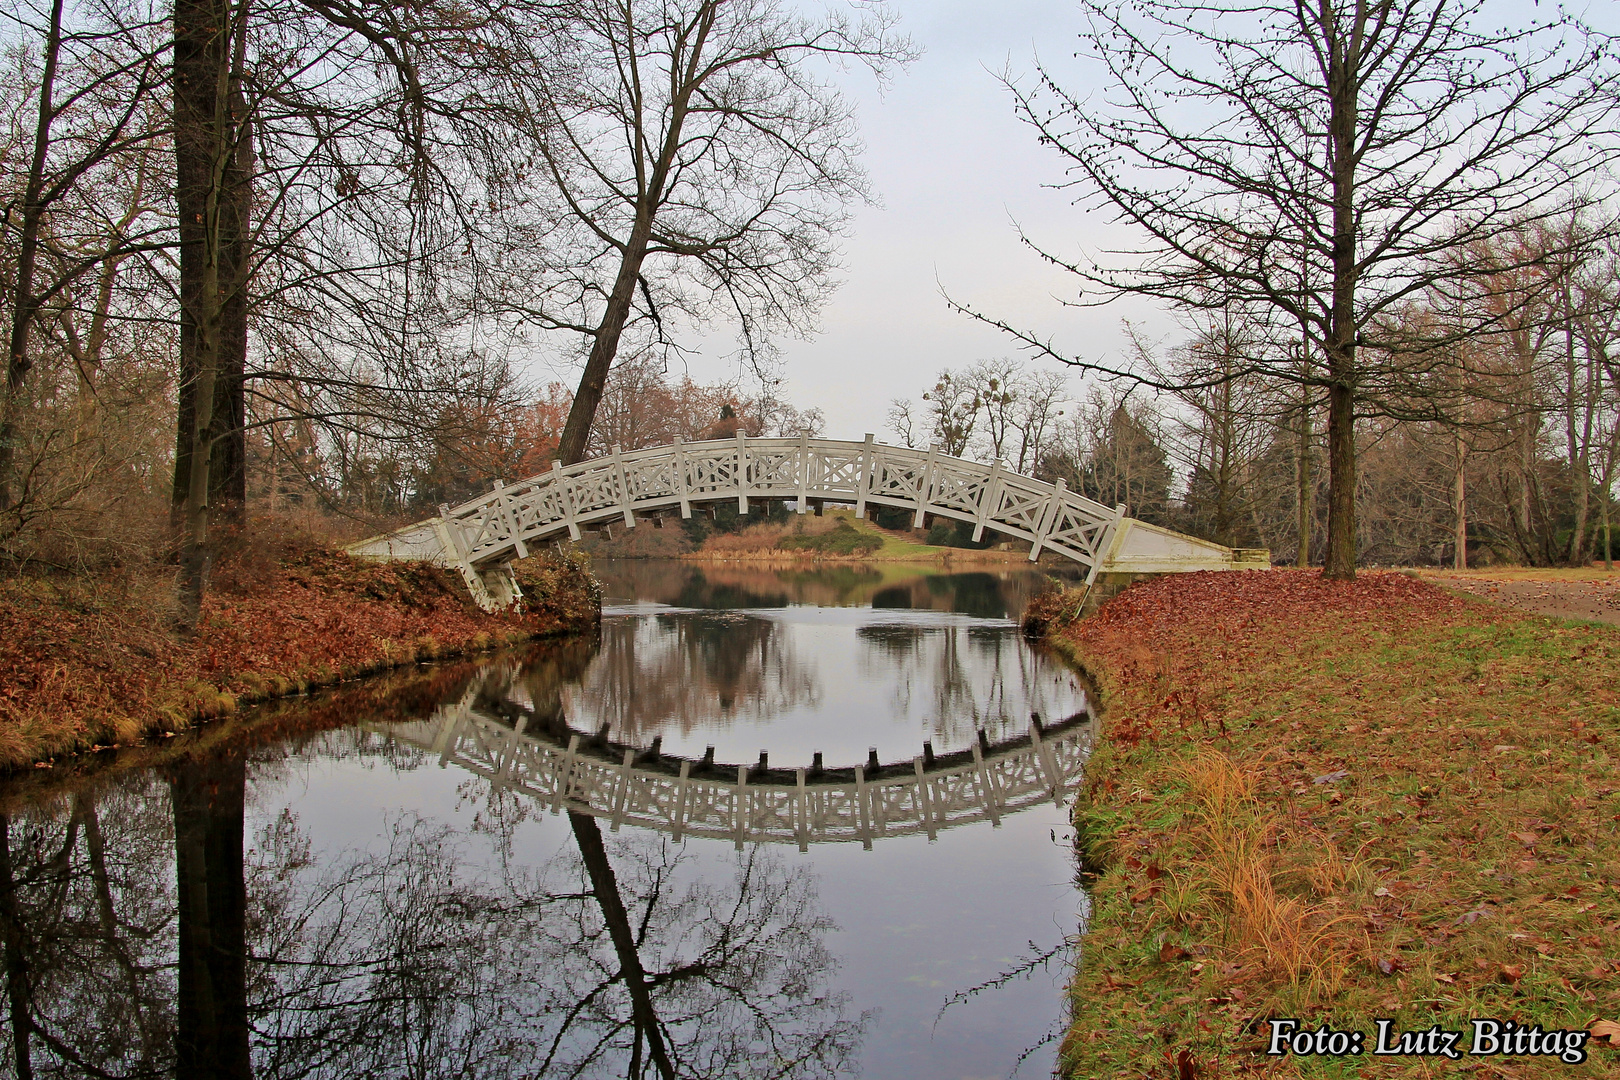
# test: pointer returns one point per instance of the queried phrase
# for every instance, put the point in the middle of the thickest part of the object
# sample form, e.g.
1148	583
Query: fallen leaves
1607	1030
83	665
1432	742
1170	952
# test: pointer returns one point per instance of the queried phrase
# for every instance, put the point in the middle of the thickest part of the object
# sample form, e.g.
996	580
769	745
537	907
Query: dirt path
1564	594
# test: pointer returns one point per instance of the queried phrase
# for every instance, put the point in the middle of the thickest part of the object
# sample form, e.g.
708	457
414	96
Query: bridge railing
802	811
499	526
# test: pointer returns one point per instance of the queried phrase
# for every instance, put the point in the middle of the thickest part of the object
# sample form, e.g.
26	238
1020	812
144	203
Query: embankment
90	663
1340	802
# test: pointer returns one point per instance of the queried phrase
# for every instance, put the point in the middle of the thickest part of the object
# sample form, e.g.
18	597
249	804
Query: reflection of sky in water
796	680
917	920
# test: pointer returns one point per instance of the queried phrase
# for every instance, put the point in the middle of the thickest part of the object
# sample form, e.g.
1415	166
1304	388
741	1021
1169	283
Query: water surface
487	871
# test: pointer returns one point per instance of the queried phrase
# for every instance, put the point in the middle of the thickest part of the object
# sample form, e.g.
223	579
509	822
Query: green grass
1482	750
842	539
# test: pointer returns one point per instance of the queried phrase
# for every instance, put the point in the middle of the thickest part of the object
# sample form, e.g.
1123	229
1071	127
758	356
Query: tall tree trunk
1341	534
593	382
649	197
1343	62
206	196
24	302
1460	502
211	1034
1608	535
1305	495
228	478
1576	443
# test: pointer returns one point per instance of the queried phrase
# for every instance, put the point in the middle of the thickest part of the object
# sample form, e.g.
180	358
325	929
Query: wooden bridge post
801	816
989	496
739	813
514	742
455	549
680	798
862	816
987	794
864	483
804	470
741	475
925	490
565	500
510	514
1043	758
925	800
680	479
1051	514
1107	543
625	498
621	788
565	773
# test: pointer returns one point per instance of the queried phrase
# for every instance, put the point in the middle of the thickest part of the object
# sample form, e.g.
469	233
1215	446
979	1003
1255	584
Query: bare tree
97	78
702	167
1320	165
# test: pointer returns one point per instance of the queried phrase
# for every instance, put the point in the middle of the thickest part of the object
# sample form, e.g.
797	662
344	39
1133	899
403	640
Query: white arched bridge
482	536
563	769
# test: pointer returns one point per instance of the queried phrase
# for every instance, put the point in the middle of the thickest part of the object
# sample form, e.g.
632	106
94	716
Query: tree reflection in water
86	912
987	685
689	670
416	960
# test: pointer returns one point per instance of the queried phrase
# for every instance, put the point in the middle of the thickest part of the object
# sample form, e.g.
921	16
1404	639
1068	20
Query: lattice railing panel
492	529
925	801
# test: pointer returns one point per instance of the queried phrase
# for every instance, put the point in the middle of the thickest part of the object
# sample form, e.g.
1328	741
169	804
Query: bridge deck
480	536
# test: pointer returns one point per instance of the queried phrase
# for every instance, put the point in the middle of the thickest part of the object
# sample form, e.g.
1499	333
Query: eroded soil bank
1340	802
91	663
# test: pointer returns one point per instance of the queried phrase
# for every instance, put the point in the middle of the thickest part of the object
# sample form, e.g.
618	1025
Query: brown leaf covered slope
82	664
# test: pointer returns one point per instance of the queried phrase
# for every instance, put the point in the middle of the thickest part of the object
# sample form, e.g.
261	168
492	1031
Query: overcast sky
952	168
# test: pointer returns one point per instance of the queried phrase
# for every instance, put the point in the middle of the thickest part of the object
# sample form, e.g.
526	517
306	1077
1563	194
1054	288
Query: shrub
840	540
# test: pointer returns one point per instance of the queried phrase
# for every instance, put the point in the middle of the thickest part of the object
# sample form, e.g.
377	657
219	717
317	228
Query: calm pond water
711	844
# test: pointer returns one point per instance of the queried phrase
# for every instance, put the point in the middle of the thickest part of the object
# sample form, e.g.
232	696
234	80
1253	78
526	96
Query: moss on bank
1340	802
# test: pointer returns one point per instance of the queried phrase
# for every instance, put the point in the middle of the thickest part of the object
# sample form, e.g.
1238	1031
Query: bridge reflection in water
488	734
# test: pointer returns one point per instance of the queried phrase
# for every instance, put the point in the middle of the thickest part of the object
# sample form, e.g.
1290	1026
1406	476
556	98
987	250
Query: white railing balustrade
482	536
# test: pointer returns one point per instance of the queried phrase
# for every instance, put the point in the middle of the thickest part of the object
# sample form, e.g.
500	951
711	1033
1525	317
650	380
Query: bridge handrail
497	526
924	800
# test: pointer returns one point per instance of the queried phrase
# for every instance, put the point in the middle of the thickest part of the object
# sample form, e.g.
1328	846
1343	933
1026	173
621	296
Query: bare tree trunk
228	478
1306	494
211	1037
605	886
24	302
1340	349
1608	535
205	158
577	430
1576	444
1460	502
1341	537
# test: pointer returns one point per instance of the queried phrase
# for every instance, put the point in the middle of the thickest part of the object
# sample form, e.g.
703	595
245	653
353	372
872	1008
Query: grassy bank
90	662
1341	802
837	536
